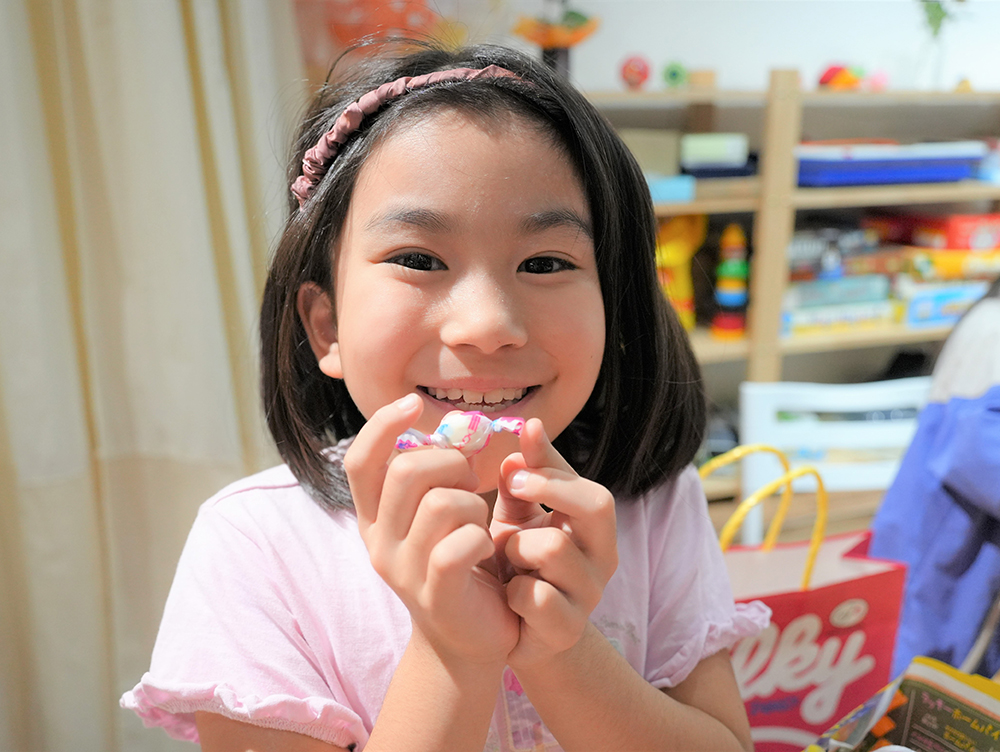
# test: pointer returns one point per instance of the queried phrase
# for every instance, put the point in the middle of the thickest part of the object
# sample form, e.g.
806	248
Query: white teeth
468	398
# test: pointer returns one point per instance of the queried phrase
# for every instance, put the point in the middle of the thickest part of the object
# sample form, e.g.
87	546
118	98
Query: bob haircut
644	420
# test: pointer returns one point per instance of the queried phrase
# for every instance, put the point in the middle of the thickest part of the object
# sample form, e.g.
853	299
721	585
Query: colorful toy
678	239
731	285
675	75
841	78
556	38
634	72
468	432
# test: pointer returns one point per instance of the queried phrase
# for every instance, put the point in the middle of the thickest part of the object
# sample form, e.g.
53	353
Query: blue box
877	164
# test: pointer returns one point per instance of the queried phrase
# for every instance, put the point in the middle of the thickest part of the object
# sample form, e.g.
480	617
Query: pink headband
317	160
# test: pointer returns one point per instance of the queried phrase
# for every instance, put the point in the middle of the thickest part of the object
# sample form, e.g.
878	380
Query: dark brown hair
644	420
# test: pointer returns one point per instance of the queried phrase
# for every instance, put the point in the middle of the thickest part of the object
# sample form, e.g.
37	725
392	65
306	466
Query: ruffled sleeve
692	614
172	706
231	643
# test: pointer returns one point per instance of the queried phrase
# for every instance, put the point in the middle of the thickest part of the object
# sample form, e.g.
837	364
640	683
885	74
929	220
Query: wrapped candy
467	432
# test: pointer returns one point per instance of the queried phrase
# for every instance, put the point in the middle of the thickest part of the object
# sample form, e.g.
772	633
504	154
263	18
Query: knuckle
405	468
604	502
381	564
352	464
437	502
555	542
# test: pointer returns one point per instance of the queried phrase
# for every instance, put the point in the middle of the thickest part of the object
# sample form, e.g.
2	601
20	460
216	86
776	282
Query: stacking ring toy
468	432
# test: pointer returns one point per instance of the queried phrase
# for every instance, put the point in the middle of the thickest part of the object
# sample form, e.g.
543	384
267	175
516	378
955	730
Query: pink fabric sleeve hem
173	707
749	619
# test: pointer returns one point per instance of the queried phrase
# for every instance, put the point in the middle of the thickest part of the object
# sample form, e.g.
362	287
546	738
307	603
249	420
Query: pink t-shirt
276	617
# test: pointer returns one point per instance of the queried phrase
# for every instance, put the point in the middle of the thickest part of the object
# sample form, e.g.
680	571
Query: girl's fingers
411	477
549	554
545	611
367	458
450	561
538	451
442	511
588	508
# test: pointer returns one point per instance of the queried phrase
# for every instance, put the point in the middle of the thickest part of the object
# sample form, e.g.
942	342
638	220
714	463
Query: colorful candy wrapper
467	432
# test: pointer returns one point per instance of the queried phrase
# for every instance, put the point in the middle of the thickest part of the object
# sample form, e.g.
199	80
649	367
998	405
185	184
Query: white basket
854	434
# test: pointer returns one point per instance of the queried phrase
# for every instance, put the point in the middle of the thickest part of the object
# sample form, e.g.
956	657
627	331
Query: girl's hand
426	533
559	561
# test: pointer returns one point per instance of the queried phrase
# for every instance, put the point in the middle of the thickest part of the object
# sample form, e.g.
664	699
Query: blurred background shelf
848	511
777	120
710	350
862	338
894	195
719	196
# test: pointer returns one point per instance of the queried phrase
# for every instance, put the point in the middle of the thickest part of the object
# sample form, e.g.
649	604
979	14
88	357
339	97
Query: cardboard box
976	232
926	304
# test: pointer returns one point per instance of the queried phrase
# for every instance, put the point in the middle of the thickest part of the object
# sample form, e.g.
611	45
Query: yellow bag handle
734	455
819	529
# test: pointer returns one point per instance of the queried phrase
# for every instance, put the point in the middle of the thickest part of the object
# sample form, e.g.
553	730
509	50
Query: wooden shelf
893	195
849	511
710	350
717	196
773	197
858	339
896	98
611	101
719	488
677	98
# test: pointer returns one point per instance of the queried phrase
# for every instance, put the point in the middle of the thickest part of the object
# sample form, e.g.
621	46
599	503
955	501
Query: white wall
743	39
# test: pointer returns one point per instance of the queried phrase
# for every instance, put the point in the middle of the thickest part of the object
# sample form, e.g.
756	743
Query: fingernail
408	402
518	480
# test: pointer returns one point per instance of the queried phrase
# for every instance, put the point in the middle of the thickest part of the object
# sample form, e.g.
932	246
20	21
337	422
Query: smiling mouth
466	400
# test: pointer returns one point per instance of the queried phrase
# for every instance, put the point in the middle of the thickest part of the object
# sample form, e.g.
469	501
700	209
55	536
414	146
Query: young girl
466	233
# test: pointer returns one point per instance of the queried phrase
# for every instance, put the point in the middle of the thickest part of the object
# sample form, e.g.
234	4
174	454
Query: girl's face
465	273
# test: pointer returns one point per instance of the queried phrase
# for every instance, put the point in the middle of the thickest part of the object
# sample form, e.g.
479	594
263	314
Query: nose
485	314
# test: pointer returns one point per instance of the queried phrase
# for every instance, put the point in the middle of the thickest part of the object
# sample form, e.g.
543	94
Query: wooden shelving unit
773	198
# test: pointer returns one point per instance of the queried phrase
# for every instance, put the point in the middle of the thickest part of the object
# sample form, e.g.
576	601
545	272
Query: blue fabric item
942	517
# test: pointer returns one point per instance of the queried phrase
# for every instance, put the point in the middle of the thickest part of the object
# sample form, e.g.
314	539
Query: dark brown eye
545	265
421	262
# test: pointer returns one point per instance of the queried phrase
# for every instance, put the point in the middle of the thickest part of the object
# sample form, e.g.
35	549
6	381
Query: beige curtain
141	150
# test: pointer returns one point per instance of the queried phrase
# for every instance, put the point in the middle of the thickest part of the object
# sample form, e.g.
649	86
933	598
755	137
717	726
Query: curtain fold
141	183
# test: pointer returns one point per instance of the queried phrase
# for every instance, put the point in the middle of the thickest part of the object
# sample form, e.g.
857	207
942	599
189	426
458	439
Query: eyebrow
556	218
432	221
425	219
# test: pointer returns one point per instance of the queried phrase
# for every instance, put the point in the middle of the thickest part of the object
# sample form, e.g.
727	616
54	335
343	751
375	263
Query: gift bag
834	617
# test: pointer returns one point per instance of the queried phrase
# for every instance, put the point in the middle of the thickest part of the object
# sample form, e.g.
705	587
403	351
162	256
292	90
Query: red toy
635	72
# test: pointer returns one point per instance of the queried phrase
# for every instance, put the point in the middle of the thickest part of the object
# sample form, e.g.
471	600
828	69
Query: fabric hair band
317	160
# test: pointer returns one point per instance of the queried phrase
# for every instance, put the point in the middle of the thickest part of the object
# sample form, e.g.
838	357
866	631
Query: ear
316	313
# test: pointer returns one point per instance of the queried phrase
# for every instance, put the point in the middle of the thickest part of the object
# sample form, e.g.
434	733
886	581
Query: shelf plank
611	101
848	511
717	196
707	349
827	98
894	195
858	339
676	98
722	487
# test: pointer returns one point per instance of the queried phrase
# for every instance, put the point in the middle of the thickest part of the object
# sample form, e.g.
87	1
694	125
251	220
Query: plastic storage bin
874	164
